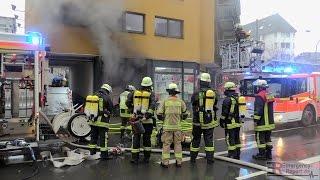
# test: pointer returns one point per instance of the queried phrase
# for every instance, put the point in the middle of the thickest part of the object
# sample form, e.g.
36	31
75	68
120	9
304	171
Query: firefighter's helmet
230	86
107	87
146	82
173	87
205	77
130	88
261	83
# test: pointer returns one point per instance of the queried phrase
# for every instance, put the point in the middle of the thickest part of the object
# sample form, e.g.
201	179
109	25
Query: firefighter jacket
124	110
263	111
173	110
142	103
204	113
230	116
105	110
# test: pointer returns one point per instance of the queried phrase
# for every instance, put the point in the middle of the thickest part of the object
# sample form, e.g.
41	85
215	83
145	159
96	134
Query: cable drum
61	120
78	126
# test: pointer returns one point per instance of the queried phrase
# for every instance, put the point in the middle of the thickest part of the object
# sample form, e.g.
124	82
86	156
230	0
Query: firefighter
124	111
263	118
172	111
100	124
230	120
142	102
204	118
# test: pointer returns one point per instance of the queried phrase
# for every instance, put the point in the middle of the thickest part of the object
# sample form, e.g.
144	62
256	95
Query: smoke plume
104	20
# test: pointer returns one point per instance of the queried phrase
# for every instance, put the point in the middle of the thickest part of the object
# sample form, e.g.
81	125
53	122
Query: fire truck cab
297	96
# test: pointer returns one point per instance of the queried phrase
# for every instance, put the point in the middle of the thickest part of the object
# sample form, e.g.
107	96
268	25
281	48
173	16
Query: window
275	35
288	45
285	45
134	22
168	27
276	45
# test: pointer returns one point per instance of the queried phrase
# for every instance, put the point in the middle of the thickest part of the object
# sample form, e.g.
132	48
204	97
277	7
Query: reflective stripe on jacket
263	112
124	111
230	111
172	108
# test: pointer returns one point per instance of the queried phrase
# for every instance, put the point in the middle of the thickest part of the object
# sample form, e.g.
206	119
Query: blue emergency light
288	70
34	38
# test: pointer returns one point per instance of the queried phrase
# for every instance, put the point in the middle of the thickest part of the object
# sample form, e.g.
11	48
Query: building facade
278	35
8	25
169	40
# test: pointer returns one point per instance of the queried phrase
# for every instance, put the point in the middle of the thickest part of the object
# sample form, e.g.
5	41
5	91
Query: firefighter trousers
263	139
167	138
208	140
146	138
99	140
124	122
233	142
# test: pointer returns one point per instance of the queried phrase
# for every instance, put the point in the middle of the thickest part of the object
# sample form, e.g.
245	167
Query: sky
5	10
303	15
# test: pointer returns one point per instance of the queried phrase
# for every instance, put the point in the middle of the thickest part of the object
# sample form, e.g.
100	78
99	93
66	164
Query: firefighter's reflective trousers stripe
266	125
146	138
263	139
99	138
233	138
167	138
208	139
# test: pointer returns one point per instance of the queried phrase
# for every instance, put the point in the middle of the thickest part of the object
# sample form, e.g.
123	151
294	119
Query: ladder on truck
243	56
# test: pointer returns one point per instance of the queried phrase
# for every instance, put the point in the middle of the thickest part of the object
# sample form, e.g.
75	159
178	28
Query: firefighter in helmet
230	120
100	124
125	113
263	118
204	104
172	110
142	102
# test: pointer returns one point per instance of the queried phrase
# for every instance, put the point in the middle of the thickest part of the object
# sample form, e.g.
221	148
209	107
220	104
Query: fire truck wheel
308	116
78	126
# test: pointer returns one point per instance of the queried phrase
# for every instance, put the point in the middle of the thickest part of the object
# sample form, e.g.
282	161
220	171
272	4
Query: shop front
184	74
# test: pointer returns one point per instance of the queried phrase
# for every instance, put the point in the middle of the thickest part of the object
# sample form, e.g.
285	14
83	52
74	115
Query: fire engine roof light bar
28	42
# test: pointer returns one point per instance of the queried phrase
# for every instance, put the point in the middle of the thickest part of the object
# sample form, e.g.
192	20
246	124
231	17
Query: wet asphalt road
292	144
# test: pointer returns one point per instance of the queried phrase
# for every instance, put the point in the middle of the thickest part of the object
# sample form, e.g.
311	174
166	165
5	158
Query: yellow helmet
205	77
173	86
107	87
146	81
230	86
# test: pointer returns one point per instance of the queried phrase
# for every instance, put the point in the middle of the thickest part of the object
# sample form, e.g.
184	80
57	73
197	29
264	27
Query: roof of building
270	24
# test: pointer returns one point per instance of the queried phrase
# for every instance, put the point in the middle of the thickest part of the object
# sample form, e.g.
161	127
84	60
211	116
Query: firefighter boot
122	135
93	151
231	154
193	157
209	156
135	158
104	155
269	153
261	155
238	152
146	156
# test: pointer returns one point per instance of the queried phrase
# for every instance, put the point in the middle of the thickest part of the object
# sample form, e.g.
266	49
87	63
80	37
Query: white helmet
131	88
205	77
174	87
261	83
107	87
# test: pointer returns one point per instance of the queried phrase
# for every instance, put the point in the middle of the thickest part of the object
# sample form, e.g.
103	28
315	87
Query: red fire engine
297	96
